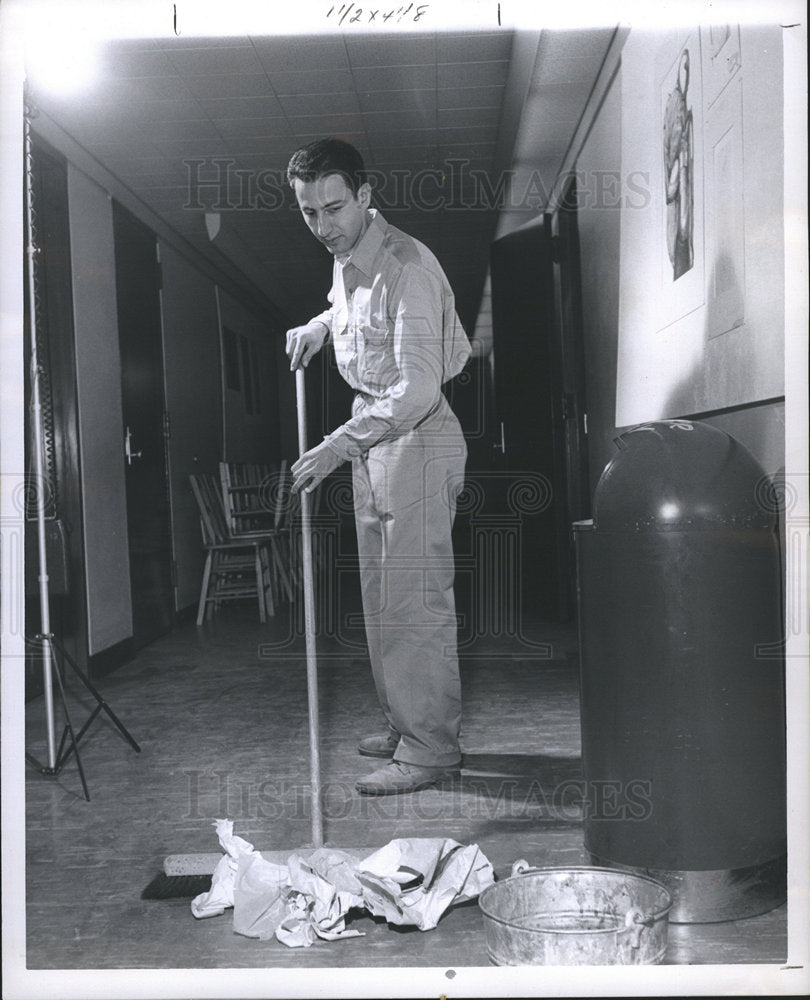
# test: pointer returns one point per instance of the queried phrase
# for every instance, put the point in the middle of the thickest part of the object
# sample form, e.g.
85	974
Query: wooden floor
220	715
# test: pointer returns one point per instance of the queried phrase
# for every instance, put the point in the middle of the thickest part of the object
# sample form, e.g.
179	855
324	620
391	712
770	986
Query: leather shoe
396	777
378	746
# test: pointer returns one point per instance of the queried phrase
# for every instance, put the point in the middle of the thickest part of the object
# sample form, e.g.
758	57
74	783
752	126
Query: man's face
333	212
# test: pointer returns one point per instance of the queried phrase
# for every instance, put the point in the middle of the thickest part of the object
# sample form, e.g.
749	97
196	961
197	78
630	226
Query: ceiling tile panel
466	47
303	138
239	107
247	128
182	149
400	78
397	100
314	81
167	110
470	97
410	118
229	85
390	156
399	50
325	125
473	74
124	92
217	62
335	103
469	118
198	128
390	135
280	54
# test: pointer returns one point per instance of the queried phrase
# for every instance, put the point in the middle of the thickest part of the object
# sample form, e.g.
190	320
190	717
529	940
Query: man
396	338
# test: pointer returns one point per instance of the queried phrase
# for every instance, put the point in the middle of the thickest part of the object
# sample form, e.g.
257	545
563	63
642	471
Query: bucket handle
635	919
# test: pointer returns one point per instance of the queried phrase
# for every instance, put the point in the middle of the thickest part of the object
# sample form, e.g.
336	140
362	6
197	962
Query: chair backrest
256	497
246	496
209	501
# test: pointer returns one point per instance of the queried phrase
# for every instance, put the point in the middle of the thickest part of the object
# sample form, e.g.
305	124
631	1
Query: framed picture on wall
702	277
680	190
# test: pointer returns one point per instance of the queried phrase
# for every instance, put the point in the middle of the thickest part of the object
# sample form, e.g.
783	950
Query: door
530	444
145	427
572	352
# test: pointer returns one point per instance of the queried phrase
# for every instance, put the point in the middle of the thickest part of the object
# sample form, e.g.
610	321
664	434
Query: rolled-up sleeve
411	356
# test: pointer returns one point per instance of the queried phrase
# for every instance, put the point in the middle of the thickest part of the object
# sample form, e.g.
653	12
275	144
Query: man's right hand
304	342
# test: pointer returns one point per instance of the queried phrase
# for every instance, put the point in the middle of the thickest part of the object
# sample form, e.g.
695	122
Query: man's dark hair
328	156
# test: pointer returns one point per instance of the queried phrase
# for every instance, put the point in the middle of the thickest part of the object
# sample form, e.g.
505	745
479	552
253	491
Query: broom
188	875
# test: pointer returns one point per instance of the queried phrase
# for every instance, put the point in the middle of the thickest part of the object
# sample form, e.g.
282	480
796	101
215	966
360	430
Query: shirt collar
364	254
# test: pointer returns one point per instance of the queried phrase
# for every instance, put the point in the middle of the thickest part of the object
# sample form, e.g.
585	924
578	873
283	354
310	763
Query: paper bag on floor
220	896
259	896
414	881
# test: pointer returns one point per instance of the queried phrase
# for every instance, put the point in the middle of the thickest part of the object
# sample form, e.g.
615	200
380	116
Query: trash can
682	672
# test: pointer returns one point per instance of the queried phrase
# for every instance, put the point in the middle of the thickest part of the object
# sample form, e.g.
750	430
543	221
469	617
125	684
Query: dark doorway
530	427
145	427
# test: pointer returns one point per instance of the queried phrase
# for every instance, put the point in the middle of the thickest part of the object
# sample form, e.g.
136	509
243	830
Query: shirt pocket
376	360
343	341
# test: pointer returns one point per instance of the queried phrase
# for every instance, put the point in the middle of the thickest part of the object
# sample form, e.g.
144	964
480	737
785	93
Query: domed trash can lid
682	475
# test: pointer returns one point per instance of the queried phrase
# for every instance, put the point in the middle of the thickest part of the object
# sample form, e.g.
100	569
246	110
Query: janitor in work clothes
396	338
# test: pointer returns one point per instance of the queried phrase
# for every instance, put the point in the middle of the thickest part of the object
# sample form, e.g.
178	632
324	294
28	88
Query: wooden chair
256	499
235	568
246	496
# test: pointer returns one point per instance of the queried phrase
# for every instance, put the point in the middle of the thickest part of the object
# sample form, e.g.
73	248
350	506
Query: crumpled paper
220	896
408	882
297	902
315	907
414	881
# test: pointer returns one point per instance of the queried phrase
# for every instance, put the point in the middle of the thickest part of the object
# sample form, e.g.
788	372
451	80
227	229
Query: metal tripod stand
69	743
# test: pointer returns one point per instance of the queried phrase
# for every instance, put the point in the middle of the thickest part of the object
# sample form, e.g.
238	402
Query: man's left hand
314	466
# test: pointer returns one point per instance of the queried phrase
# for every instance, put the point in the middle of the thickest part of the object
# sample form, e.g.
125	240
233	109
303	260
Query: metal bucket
575	916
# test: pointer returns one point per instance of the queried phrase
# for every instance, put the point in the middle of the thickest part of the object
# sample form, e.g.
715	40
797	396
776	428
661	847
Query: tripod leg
74	743
82	731
102	704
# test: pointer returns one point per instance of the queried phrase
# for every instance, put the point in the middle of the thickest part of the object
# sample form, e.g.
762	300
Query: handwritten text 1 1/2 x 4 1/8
350	13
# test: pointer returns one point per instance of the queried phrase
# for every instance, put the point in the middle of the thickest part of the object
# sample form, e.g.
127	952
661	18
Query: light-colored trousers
405	494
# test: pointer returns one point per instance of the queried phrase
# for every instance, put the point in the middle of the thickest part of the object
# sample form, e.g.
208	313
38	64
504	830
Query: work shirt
396	335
